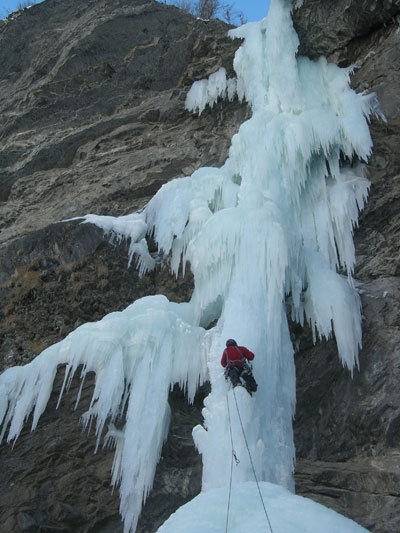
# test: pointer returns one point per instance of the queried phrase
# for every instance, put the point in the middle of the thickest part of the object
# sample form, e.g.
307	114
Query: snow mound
287	513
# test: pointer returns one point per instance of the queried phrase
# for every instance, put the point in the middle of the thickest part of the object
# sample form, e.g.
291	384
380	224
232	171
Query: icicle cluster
137	355
270	229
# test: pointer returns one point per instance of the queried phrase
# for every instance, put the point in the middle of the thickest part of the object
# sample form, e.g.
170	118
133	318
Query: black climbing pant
235	372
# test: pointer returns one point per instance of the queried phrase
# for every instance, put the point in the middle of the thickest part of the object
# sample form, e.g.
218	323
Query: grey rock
346	429
100	106
361	483
26	522
327	28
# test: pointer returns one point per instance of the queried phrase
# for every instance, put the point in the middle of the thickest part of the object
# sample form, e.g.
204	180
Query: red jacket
236	355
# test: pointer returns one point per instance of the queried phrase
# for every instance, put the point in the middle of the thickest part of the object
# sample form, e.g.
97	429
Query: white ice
266	236
284	513
137	354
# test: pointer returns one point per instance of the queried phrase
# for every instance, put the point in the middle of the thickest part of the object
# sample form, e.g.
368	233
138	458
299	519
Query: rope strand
252	464
233	457
230	478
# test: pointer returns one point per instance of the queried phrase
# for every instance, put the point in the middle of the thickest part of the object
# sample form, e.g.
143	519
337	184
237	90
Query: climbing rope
233	457
251	461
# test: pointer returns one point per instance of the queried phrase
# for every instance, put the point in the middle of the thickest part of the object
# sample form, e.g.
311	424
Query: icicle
270	228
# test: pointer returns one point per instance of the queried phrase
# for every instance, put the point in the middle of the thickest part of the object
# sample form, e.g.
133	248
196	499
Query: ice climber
234	360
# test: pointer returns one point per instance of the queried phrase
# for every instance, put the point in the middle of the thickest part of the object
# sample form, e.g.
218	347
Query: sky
254	10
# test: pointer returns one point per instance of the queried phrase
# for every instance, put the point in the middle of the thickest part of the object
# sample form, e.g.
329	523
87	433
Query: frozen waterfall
267	236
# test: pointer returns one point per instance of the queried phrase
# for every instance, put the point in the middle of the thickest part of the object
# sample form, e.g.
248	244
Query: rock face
347	430
93	120
96	121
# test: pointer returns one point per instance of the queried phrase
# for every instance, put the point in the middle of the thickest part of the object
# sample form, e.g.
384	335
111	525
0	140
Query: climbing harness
234	457
246	370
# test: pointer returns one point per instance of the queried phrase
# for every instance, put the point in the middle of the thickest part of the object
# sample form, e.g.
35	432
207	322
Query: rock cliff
92	120
348	429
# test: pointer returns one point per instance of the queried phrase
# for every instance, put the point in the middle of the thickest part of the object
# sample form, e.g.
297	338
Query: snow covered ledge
286	513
